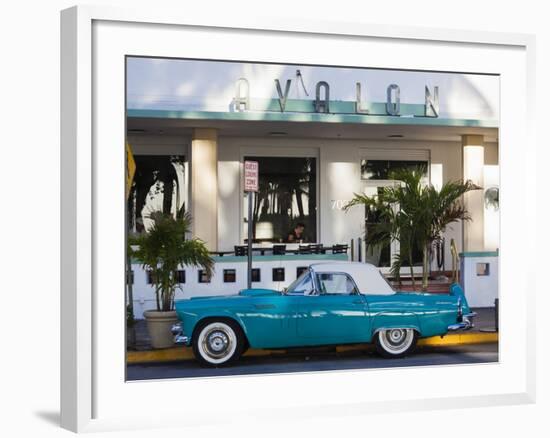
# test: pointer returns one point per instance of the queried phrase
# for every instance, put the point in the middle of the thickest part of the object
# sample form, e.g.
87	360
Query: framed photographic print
253	208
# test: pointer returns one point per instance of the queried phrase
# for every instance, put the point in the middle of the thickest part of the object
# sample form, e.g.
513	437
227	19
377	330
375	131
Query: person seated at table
297	235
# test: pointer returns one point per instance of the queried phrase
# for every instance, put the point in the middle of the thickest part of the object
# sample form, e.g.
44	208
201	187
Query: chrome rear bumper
465	324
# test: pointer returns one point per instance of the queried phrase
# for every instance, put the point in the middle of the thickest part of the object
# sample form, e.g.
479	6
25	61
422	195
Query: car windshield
302	285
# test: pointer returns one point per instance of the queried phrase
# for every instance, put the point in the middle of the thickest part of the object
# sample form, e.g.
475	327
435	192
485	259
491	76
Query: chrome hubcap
396	341
217	342
396	336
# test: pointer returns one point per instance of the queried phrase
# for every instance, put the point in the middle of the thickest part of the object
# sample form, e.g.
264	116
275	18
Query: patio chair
241	250
339	249
279	249
316	248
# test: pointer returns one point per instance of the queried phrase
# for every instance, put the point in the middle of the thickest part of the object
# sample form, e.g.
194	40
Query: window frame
395	154
298	280
349	277
280	152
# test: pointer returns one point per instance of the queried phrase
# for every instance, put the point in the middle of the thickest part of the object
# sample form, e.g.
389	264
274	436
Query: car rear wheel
396	342
218	343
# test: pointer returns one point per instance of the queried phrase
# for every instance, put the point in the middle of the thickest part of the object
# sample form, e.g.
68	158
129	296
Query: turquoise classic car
329	304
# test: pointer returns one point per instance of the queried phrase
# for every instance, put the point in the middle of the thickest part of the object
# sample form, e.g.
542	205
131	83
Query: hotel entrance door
382	255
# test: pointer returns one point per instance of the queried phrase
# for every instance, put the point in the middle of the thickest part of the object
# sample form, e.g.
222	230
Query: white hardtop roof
367	277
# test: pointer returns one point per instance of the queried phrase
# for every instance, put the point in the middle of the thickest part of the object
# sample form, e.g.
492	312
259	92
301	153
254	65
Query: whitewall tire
395	342
218	342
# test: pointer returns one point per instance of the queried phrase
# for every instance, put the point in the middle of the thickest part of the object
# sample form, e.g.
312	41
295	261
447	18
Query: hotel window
287	196
203	276
278	274
256	275
149	277
383	169
180	277
158	185
229	276
482	269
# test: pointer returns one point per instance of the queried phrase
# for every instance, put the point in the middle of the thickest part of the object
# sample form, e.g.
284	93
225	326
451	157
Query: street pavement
319	360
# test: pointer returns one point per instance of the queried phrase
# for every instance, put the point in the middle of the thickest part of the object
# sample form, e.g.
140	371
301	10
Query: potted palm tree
161	251
415	214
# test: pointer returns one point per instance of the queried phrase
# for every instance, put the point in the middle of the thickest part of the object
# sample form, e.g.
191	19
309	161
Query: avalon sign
392	105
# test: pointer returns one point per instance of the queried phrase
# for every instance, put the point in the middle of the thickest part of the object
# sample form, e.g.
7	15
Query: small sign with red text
251	170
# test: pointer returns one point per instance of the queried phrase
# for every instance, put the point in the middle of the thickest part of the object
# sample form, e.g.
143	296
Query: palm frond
414	213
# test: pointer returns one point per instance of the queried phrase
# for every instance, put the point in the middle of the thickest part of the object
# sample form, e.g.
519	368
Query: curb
186	353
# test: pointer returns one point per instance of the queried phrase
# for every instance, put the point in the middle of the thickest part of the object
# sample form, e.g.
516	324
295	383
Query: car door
335	313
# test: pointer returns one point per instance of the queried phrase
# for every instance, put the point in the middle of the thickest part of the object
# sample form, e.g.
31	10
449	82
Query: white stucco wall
338	177
480	290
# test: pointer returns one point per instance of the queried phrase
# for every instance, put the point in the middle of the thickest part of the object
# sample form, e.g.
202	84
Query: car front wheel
218	343
396	342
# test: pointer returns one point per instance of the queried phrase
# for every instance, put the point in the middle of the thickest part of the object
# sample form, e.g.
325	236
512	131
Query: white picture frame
94	394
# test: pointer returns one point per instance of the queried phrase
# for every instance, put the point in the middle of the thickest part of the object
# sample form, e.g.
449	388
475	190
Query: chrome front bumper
179	337
465	324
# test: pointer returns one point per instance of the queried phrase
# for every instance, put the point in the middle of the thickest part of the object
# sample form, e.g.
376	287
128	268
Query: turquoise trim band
310	117
479	254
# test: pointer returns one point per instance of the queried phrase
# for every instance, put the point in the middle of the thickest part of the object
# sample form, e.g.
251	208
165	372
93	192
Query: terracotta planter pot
159	325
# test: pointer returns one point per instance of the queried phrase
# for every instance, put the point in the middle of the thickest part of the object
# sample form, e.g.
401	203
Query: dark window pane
278	274
287	196
256	275
482	269
149	277
229	276
203	276
383	169
180	276
159	184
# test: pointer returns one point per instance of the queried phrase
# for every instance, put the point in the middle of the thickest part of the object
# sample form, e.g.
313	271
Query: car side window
303	286
336	283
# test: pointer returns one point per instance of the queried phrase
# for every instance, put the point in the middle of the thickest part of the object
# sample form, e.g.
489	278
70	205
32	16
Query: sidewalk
484	320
